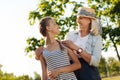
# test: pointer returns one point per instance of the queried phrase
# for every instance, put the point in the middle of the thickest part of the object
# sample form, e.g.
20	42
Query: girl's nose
58	27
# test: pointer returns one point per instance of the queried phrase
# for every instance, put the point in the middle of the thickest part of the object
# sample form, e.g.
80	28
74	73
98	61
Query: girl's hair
95	28
43	23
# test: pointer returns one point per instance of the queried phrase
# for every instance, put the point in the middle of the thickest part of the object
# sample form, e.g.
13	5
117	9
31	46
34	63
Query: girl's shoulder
38	53
62	46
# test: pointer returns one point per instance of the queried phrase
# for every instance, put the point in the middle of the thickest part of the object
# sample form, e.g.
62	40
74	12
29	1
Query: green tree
37	76
24	77
114	66
109	13
58	10
103	68
105	11
11	76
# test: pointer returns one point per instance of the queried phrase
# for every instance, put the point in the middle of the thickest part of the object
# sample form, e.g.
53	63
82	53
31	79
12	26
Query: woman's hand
70	44
38	53
54	74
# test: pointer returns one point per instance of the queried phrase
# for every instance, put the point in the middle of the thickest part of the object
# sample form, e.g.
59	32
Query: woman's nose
78	20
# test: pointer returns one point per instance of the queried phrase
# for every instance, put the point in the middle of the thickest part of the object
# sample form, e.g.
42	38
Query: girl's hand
70	44
38	53
54	74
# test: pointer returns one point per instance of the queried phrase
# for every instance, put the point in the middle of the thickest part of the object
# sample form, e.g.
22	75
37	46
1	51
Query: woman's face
54	27
83	21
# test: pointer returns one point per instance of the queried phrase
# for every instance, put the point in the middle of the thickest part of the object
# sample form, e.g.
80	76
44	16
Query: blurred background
20	36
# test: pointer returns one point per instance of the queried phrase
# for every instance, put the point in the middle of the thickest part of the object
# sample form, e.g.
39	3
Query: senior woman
87	44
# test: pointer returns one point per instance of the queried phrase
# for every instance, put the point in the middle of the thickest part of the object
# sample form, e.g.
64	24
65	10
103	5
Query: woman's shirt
92	45
81	42
56	59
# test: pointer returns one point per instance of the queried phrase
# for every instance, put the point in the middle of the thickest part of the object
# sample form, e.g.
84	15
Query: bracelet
79	51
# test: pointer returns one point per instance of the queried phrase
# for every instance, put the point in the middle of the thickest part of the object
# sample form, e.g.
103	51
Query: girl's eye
80	17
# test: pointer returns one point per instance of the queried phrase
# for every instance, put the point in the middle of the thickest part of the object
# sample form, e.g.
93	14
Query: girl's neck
50	40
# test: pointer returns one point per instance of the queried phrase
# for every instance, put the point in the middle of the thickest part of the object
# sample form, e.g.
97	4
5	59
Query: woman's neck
84	32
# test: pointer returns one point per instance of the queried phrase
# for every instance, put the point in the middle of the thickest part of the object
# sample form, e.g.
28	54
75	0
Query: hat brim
86	16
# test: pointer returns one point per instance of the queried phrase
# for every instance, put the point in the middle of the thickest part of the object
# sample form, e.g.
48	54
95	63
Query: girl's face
54	28
83	21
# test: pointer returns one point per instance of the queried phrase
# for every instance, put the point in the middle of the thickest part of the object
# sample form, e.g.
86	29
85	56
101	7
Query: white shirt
92	45
81	41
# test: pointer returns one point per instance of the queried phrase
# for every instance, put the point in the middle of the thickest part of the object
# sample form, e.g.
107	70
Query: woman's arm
76	65
97	49
93	59
83	54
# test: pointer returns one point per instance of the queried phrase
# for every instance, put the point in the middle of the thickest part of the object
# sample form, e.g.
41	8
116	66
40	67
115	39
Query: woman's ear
89	20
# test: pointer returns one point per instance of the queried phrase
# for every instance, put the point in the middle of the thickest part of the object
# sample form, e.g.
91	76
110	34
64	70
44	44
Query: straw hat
96	26
86	12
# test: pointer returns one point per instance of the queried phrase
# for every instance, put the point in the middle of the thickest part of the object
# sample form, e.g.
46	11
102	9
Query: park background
16	29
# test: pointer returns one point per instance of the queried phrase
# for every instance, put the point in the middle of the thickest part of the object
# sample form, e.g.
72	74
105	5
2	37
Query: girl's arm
43	66
38	52
39	56
76	65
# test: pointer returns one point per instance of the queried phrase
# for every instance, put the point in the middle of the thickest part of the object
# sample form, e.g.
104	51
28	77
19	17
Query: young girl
55	58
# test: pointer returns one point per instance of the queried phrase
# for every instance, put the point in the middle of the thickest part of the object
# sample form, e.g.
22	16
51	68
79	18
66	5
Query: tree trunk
114	44
116	50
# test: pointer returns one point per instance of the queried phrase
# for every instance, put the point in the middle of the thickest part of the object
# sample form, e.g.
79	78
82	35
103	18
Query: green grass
112	78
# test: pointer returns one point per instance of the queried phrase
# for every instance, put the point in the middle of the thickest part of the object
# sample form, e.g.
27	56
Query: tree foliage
11	76
113	66
102	67
109	12
106	10
109	67
58	10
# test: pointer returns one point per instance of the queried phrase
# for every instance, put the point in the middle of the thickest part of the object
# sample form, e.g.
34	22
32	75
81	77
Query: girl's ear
48	28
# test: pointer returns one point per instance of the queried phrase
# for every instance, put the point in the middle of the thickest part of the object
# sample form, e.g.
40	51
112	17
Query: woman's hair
95	28
43	23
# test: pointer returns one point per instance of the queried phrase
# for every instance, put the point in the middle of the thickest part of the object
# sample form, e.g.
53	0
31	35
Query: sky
15	30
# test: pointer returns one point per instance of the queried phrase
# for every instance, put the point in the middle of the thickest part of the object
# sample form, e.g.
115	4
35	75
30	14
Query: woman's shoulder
97	37
71	35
